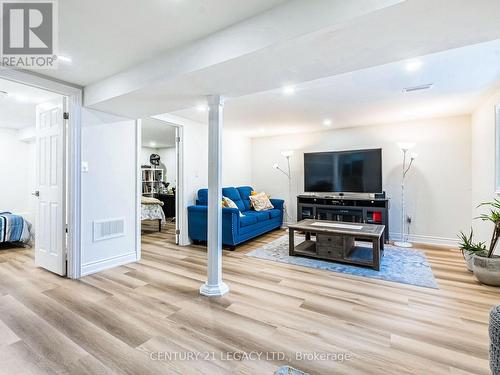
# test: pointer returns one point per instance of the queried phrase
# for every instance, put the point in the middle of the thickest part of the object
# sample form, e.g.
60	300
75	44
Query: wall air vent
107	229
418	88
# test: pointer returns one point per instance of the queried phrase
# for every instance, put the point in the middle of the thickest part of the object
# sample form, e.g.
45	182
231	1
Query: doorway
39	197
33	197
159	182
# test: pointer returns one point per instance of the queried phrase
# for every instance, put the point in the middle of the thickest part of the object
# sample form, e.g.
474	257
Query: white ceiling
296	42
461	78
157	134
18	108
105	37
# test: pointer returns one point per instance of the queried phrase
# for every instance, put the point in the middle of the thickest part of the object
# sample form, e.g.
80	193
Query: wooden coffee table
335	241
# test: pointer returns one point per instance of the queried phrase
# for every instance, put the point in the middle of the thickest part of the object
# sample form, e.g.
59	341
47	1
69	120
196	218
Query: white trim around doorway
74	95
180	214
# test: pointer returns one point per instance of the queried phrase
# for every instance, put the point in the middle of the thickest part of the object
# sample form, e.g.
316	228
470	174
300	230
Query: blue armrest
198	222
278	203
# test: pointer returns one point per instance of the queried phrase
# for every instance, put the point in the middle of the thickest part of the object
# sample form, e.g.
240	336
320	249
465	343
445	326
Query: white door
50	248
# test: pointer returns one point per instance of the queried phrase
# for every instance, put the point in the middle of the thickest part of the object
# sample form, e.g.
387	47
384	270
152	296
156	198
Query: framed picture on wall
497	149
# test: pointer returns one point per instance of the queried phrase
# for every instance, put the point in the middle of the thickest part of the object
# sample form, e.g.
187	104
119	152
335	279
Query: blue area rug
406	266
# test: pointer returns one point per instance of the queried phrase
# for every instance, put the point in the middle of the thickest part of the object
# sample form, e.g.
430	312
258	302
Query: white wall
236	159
483	162
146	153
108	188
438	186
17	174
168	160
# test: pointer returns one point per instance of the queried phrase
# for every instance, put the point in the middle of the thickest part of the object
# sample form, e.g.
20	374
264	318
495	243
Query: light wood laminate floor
128	320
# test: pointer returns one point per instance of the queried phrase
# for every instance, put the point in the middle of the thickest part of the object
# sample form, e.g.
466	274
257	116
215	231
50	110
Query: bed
15	229
151	209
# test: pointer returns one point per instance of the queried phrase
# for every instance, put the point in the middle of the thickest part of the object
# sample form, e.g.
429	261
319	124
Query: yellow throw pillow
229	203
261	202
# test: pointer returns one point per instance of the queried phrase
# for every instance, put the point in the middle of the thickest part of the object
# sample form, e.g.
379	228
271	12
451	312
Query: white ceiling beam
285	22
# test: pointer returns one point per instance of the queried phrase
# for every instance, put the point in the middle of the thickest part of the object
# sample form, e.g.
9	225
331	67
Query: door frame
73	200
180	214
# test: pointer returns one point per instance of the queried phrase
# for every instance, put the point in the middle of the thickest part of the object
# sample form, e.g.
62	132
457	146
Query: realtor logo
28	33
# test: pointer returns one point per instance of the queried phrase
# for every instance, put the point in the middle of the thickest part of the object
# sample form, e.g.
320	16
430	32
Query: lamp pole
405	147
403	239
288	174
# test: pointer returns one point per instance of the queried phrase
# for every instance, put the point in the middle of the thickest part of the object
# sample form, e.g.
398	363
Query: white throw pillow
231	204
261	202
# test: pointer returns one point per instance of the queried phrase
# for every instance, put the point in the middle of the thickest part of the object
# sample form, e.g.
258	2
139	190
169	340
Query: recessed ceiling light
288	90
202	108
327	122
64	59
413	65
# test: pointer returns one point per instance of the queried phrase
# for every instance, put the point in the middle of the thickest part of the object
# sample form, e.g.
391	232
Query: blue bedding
13	228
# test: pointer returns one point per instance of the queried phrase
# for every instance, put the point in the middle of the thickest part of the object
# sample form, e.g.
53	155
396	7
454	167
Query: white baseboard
108	263
428	240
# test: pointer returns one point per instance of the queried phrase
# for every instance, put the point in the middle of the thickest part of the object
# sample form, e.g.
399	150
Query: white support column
214	286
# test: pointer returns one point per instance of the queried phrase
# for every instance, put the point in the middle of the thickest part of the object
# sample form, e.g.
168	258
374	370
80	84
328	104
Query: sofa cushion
247	220
245	192
233	194
261	215
274	213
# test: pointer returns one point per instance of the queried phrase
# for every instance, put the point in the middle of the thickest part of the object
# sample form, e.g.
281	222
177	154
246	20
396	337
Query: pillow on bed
150	200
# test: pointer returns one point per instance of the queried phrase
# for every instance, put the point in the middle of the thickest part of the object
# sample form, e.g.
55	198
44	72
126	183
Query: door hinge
66	229
66	115
177	231
178	139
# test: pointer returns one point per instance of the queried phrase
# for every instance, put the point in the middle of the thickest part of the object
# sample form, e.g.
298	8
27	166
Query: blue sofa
235	229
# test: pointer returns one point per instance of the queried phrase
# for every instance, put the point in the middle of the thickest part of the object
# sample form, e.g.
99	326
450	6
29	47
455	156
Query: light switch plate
85	166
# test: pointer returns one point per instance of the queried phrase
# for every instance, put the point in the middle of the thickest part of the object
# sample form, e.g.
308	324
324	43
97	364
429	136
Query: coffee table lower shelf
308	249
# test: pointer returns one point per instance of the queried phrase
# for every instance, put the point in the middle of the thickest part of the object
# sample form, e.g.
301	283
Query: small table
335	240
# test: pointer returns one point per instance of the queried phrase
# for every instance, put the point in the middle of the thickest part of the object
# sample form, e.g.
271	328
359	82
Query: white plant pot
469	260
487	270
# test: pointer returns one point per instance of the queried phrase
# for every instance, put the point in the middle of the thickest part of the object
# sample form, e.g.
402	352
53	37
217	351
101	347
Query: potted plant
469	248
486	264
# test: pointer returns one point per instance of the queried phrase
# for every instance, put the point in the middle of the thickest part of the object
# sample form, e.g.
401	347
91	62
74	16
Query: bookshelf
151	180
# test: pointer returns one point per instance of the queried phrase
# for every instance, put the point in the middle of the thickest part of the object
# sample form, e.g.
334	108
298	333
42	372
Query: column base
214	290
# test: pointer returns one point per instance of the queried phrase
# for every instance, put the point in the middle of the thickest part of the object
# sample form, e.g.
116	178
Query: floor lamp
405	147
288	174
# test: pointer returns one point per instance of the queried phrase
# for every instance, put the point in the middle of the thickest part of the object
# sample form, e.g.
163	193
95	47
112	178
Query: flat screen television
357	171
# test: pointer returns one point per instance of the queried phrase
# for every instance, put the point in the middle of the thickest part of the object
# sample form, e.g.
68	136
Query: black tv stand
345	208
